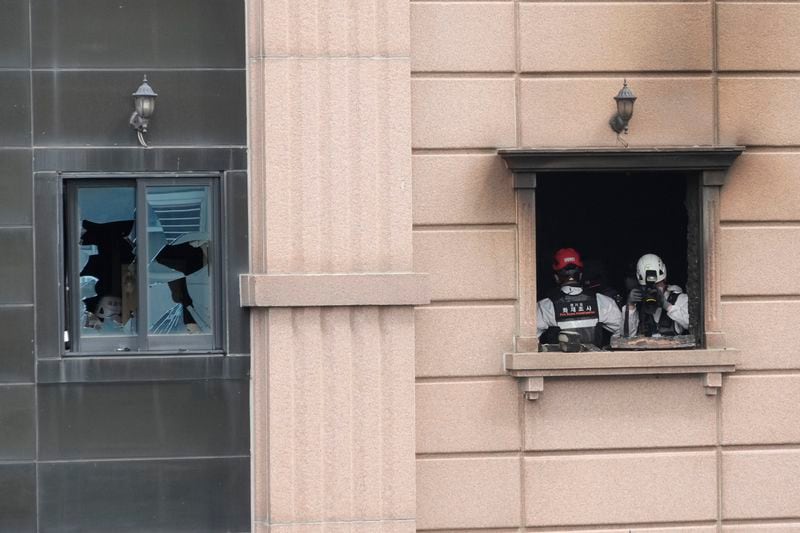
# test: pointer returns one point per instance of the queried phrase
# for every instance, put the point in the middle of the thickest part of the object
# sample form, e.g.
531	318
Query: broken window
613	219
141	266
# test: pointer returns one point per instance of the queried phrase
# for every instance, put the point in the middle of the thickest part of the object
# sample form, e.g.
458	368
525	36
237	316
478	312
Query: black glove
635	296
662	301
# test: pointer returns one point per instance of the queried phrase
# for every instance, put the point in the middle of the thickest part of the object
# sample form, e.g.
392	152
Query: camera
650	292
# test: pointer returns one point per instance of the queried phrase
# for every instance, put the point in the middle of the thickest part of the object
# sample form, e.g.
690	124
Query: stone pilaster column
331	287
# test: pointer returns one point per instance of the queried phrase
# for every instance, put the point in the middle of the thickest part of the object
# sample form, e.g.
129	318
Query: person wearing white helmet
570	307
654	307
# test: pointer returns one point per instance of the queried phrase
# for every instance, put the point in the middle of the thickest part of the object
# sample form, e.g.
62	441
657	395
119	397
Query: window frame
143	343
713	358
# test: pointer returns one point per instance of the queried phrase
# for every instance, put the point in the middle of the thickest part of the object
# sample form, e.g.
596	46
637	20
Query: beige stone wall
603	454
330	193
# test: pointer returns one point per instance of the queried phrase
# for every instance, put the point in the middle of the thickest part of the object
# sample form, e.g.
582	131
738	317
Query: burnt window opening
613	218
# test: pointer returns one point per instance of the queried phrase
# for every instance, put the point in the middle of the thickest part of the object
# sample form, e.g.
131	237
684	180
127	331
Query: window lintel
677	158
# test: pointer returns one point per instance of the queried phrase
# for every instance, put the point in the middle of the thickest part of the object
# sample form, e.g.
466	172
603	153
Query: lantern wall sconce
625	99
144	103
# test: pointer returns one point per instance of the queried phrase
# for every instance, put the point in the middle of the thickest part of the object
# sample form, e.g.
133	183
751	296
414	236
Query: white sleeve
679	312
633	320
608	314
545	316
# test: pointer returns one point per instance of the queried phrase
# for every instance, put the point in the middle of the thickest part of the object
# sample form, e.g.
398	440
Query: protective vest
665	326
580	313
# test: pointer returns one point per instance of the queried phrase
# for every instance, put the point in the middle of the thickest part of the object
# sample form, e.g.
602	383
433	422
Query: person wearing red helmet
570	307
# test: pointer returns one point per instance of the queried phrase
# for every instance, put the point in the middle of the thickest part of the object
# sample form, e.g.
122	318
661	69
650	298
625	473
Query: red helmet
565	257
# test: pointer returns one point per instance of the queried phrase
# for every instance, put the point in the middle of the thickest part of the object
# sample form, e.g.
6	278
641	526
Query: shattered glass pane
179	241
107	260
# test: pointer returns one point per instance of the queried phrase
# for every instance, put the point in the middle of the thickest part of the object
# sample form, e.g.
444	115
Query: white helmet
650	262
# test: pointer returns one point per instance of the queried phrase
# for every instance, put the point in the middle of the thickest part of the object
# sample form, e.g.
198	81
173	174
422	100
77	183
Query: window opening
141	254
612	219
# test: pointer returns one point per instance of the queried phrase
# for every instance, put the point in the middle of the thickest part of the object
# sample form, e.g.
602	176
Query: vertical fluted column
712	281
330	198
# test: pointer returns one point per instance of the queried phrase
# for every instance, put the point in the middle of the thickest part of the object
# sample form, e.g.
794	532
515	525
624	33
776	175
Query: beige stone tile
615	489
763	528
334	29
677	529
254	20
575	112
761	410
758	36
775	344
468	493
762	187
344	206
341	414
256	162
754	260
462	189
759	111
468	416
557	37
462	113
462	36
760	484
369	526
620	413
393	335
463	340
259	406
515	530
467	264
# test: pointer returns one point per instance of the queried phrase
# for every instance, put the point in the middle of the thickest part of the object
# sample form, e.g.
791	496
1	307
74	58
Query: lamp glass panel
625	109
145	105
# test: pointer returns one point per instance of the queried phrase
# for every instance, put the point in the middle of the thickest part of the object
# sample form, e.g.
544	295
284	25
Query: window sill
532	368
115	369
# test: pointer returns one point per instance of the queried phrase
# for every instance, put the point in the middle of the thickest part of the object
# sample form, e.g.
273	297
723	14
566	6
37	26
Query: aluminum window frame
143	343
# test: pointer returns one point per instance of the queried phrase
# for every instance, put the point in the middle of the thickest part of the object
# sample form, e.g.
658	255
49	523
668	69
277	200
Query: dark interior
612	219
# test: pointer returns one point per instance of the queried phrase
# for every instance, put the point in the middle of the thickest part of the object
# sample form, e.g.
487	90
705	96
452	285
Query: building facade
370	363
356	98
97	439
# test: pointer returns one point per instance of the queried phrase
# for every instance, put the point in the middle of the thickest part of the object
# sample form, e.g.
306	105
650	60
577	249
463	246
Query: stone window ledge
532	368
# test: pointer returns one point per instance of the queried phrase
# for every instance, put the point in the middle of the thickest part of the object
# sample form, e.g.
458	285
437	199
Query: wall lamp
144	102
625	99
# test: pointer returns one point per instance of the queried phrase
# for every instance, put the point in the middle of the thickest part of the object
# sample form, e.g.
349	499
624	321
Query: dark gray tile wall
66	101
138	34
17	440
134	159
16	348
15	108
18	497
16	190
192	495
16	267
204	107
112	420
238	334
48	250
17	317
14	45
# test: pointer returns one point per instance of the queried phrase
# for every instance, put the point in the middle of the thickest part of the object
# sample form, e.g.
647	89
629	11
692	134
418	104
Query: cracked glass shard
179	291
